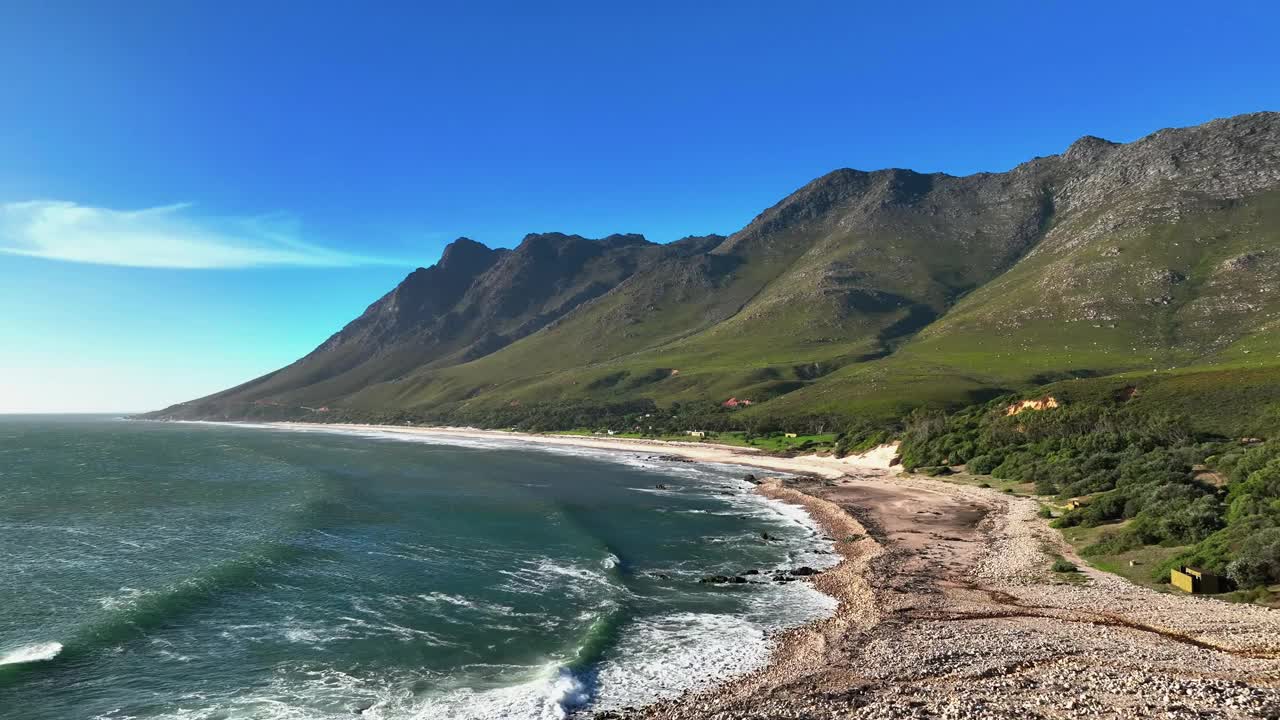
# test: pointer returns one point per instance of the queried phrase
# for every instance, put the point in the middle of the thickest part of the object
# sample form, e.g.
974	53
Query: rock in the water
723	580
805	571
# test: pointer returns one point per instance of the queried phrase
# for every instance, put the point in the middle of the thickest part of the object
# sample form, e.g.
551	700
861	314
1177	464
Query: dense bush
984	464
1134	466
1247	549
1140	467
1258	560
862	435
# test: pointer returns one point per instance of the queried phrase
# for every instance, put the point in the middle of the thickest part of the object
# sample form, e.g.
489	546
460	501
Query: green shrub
984	464
1257	562
863	435
1063	565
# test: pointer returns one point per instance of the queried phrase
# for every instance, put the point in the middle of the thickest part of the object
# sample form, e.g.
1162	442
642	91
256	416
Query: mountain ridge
888	282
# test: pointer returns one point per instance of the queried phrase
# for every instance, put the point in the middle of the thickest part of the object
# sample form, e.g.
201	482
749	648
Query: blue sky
192	194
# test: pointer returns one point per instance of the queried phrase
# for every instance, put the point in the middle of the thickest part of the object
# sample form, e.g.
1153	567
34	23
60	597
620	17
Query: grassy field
1138	566
778	442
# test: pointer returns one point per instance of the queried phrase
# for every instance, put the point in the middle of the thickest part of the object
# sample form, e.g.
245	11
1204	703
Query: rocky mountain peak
463	254
623	239
1088	149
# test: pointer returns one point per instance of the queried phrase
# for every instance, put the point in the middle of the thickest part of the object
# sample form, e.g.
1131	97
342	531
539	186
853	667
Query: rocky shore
948	608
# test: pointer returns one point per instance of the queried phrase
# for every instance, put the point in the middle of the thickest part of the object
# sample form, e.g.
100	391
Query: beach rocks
785	576
751	479
661	486
723	580
1004	642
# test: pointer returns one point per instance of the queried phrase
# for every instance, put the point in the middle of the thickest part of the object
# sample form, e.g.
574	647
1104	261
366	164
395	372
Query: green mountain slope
1162	256
861	294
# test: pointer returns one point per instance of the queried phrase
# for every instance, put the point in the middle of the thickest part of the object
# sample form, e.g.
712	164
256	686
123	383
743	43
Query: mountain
860	294
473	301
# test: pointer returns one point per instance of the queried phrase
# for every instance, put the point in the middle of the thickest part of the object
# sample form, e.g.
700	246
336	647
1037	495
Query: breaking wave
31	653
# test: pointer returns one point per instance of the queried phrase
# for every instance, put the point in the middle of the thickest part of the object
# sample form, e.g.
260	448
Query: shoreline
796	648
828	467
947	607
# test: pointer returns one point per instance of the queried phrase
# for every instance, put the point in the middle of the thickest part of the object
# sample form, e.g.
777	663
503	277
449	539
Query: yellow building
1194	580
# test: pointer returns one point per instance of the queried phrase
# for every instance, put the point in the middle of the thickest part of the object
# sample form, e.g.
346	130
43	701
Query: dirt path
948	609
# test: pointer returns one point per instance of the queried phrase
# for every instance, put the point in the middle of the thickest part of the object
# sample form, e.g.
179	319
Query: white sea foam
297	695
446	598
543	575
552	696
31	653
662	657
655	657
125	598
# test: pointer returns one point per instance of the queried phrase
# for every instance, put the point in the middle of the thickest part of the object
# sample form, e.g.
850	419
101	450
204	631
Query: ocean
202	571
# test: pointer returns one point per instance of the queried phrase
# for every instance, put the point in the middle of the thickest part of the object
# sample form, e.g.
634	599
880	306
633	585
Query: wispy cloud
172	236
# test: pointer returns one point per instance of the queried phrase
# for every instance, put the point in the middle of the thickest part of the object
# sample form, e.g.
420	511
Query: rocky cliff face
1137	230
1106	257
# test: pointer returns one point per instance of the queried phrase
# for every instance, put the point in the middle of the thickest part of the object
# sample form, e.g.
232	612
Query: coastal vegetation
1142	477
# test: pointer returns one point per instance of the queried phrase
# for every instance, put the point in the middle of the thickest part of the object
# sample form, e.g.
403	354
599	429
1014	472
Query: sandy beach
819	465
948	609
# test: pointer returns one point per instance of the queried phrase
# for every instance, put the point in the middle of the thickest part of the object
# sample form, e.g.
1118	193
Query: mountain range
1150	266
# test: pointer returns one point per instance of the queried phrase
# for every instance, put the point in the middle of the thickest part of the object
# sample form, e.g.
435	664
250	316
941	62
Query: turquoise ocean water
170	570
